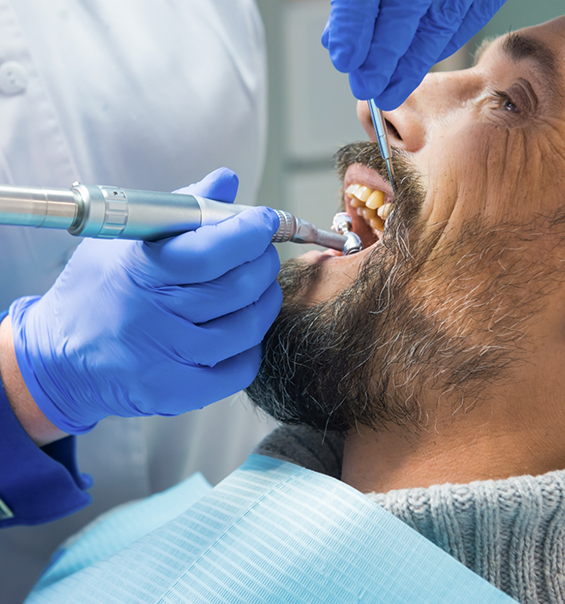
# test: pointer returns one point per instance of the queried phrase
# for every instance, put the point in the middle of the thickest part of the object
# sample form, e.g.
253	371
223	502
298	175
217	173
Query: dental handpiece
112	212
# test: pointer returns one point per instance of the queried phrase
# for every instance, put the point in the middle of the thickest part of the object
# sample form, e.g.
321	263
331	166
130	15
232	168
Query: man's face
448	296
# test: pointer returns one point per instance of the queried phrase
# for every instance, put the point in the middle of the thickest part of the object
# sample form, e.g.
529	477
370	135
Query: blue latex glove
388	46
132	328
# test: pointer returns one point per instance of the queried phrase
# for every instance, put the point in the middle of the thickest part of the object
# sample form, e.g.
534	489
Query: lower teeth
377	223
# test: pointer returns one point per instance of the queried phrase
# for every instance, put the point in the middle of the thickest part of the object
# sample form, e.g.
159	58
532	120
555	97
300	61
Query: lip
317	256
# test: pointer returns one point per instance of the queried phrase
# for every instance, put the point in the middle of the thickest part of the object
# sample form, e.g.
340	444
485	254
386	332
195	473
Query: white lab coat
148	95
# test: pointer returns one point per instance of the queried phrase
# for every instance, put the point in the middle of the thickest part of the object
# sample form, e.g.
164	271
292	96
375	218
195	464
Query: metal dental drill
342	224
111	212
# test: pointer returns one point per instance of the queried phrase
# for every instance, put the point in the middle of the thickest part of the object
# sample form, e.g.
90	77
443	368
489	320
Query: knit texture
510	532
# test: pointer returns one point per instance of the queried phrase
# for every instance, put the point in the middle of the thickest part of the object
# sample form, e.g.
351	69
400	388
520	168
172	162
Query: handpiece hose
112	212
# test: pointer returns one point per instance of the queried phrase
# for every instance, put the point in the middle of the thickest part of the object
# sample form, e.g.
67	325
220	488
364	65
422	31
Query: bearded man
438	351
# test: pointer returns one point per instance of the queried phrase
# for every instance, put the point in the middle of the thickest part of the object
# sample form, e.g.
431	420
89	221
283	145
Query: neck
517	429
495	441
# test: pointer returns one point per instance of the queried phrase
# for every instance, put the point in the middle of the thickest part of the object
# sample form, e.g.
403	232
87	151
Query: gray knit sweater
511	532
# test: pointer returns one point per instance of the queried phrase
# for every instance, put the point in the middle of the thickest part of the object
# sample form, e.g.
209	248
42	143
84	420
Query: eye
505	103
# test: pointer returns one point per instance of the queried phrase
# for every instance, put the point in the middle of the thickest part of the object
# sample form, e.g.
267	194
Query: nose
412	125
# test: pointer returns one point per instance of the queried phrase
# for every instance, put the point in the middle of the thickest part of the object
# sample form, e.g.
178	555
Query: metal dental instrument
112	212
342	223
382	139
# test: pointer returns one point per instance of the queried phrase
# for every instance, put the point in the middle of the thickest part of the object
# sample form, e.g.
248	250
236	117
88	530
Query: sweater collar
511	532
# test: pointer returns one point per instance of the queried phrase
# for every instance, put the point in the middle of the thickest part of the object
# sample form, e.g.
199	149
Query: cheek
478	175
510	180
455	173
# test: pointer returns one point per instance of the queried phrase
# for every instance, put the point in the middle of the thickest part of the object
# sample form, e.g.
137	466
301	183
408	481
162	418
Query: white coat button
13	78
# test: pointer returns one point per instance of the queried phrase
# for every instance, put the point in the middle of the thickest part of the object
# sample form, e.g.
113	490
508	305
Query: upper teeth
370	204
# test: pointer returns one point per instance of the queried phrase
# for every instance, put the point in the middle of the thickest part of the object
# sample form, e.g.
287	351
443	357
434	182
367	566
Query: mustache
369	155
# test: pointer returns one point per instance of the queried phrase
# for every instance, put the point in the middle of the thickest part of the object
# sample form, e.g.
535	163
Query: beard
417	324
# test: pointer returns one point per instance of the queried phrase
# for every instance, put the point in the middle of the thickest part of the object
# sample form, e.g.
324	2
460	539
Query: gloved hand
388	46
133	328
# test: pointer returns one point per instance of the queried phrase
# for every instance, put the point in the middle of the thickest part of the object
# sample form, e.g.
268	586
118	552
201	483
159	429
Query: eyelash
506	102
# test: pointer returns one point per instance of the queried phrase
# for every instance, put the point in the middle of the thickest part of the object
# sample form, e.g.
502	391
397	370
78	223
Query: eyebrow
518	47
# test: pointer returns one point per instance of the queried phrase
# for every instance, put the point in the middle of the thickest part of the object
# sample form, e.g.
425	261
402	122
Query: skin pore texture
440	349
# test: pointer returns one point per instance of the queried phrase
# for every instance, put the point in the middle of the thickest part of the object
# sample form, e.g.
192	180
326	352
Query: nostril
393	130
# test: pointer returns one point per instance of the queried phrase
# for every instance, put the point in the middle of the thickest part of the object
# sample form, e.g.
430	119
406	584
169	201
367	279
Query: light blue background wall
516	14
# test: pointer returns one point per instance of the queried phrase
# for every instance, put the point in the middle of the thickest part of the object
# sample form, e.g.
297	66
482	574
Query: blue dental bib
270	533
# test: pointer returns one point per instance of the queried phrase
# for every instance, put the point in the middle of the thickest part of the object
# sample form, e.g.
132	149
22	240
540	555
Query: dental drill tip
342	223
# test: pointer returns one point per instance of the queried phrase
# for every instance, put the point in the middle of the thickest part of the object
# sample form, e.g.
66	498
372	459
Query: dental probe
112	212
382	139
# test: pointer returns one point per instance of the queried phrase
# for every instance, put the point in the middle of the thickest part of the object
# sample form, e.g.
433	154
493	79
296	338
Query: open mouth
368	200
